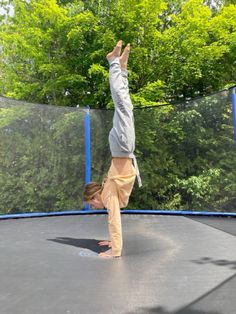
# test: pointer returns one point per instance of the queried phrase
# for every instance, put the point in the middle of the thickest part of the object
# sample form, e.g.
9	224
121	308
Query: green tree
54	52
43	53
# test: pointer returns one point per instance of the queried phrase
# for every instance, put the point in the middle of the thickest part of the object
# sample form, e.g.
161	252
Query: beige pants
115	195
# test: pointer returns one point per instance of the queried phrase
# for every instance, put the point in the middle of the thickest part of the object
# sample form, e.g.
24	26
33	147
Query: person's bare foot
124	58
104	243
115	52
107	254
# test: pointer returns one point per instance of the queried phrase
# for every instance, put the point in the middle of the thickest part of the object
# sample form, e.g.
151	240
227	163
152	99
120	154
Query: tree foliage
54	52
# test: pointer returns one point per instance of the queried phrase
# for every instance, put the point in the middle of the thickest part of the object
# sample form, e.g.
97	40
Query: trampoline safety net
186	155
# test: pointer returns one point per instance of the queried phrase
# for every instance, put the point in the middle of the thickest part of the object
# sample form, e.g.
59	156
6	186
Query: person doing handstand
114	193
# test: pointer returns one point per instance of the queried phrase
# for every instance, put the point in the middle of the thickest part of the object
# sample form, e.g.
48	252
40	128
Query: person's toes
116	51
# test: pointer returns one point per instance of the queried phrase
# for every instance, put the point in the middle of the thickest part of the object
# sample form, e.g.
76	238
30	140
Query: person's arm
114	224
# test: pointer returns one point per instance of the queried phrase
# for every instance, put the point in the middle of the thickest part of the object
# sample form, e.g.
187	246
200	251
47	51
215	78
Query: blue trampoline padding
234	113
125	211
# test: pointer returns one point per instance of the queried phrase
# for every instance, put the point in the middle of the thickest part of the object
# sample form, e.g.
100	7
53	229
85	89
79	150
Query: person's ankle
113	59
123	68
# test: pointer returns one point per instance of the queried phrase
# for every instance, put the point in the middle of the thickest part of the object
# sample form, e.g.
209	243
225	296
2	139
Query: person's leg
118	78
122	134
117	96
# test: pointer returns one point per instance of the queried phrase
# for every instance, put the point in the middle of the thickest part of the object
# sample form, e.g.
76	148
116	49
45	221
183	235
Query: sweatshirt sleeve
114	224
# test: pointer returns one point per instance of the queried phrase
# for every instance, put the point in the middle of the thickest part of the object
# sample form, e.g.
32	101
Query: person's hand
104	243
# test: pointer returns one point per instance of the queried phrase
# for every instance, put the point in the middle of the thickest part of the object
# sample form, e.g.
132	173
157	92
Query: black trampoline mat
170	265
226	224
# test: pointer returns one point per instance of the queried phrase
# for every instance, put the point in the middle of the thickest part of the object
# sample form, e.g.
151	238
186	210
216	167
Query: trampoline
170	264
179	252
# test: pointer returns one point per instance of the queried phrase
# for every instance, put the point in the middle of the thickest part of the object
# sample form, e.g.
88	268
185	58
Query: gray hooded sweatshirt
122	134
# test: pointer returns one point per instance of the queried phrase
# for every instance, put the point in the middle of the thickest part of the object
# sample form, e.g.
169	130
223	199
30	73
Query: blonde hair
91	189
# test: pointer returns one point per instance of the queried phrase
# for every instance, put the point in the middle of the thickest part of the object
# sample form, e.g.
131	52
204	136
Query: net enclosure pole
87	150
234	111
